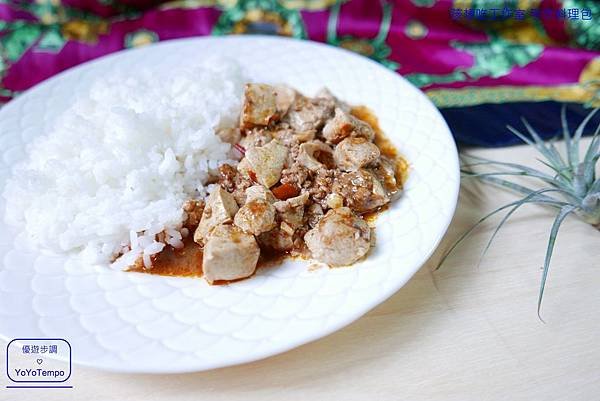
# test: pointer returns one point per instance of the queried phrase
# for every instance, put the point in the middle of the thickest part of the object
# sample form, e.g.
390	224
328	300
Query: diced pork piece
284	98
315	155
314	213
355	152
229	135
220	208
324	93
361	190
339	127
260	106
259	192
308	115
334	200
385	171
340	238
291	211
264	164
343	125
229	254
256	217
277	239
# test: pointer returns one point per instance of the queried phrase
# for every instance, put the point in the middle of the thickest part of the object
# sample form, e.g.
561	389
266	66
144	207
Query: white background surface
460	333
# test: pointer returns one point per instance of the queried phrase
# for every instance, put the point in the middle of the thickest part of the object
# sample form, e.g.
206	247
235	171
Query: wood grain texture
459	333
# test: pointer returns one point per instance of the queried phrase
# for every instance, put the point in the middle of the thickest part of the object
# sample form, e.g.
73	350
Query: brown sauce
371	216
187	262
184	262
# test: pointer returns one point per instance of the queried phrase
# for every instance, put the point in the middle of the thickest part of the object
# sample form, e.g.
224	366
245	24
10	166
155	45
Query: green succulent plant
569	185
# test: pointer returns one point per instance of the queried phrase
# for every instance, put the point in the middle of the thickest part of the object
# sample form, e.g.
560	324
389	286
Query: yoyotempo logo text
39	372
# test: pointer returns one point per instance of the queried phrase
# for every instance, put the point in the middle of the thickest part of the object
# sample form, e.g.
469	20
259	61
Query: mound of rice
118	165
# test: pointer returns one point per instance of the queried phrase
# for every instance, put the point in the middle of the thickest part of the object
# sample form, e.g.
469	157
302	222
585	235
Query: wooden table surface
460	333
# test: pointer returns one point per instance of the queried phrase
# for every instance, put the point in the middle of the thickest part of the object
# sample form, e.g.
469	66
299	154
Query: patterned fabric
482	72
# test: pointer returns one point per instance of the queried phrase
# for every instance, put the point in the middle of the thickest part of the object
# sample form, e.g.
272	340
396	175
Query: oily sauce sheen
187	262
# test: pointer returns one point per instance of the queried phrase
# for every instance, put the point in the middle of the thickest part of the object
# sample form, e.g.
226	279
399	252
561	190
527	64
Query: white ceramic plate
141	323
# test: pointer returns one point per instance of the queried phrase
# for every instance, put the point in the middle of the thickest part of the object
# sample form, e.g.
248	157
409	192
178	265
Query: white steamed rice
118	165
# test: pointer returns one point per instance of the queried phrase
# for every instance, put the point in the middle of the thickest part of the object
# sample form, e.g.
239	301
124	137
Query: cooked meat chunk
354	153
229	135
362	129
361	190
220	208
291	211
256	217
325	93
290	216
340	238
308	115
313	214
385	172
259	107
229	254
315	155
284	98
334	200
193	210
339	127
264	164
343	125
259	192
276	240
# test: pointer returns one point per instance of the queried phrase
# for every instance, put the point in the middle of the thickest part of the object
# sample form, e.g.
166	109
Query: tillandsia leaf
591	158
549	146
589	173
518	167
591	208
563	174
566	133
595	186
532	197
579	185
564	212
594	146
577	136
566	191
557	163
507	216
571	185
514	187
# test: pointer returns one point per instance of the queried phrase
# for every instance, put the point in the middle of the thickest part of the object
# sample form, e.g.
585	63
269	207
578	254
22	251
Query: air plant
570	186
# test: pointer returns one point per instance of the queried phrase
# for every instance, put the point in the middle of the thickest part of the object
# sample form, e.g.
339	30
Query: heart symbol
39	361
